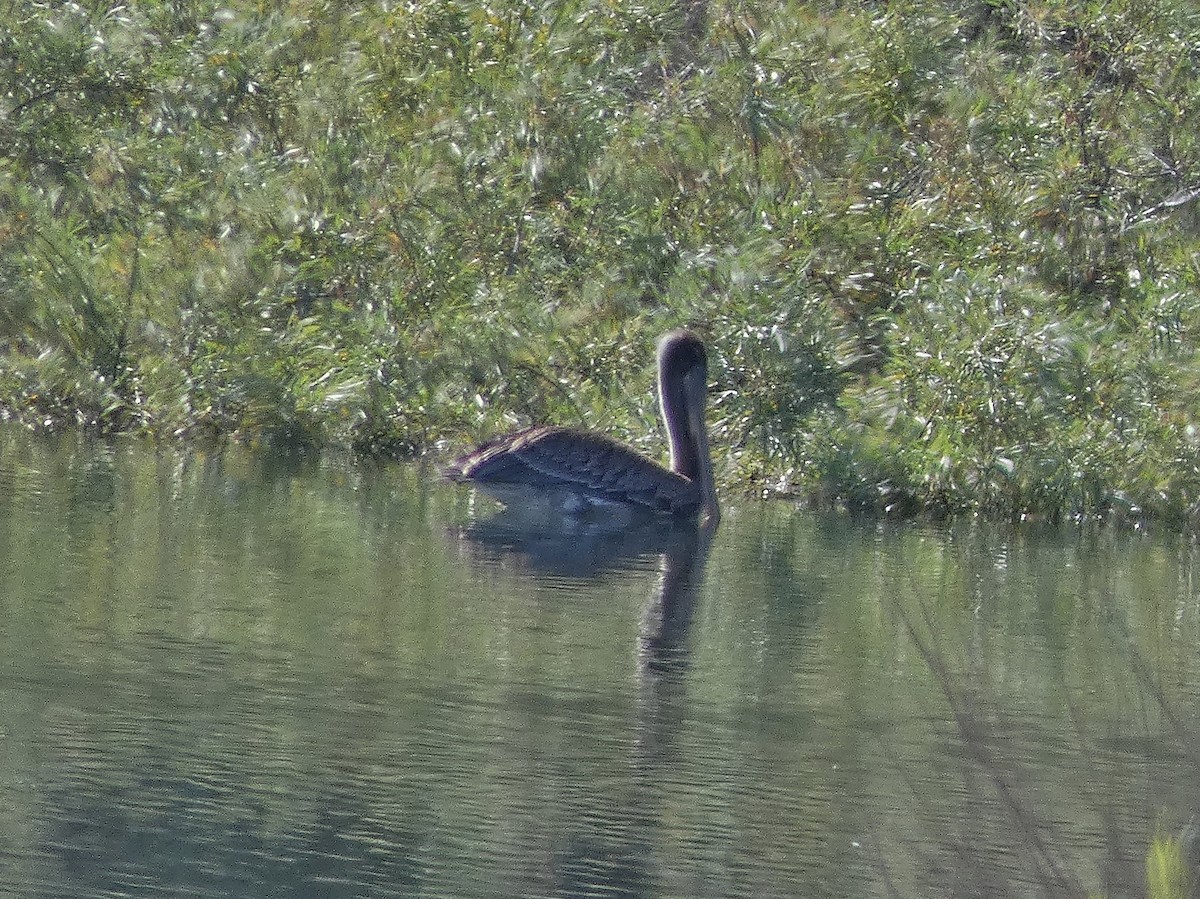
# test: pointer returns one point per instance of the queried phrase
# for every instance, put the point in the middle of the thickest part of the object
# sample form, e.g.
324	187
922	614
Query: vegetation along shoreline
945	255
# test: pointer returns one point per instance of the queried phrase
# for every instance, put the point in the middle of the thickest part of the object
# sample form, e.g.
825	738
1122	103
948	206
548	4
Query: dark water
228	675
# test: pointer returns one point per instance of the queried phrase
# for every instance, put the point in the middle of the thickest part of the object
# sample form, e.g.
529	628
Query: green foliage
945	253
1167	874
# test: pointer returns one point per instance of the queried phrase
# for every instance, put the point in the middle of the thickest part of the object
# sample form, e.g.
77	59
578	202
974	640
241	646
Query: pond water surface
223	674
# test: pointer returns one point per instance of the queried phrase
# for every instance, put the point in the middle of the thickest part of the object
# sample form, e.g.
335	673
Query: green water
229	675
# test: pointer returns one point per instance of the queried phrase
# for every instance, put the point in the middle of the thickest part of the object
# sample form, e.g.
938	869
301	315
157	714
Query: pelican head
682	392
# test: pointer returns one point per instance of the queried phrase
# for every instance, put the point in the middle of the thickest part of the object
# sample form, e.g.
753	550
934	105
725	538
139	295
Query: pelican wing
593	464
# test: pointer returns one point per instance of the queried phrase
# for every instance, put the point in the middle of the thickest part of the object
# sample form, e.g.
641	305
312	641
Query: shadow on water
1017	834
978	737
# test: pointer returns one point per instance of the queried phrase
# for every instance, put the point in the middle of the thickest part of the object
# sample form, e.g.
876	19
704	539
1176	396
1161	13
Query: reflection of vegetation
944	251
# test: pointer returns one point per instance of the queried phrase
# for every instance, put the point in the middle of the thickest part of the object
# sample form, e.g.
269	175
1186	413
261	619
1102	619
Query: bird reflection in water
585	550
577	503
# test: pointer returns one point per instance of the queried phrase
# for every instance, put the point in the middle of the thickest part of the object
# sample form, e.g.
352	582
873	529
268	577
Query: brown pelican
584	470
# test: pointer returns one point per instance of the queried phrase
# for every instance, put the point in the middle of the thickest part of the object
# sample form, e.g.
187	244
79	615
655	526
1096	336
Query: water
229	675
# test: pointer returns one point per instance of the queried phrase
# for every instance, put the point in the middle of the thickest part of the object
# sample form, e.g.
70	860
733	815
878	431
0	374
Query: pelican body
586	470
